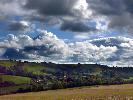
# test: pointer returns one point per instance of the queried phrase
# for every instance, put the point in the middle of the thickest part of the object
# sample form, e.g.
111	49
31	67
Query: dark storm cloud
107	7
129	5
118	12
121	21
51	7
111	7
76	26
53	11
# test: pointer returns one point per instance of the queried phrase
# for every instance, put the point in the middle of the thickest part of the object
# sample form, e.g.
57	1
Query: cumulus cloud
50	11
55	11
124	55
19	26
119	13
87	52
58	7
127	55
80	16
116	14
48	47
46	44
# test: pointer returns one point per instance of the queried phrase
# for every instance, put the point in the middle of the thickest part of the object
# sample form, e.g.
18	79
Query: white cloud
16	42
87	52
24	23
48	47
81	9
2	51
12	7
107	15
48	41
84	51
127	45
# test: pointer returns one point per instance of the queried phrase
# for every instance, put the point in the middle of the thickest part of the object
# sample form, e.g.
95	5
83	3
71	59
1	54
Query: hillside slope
17	76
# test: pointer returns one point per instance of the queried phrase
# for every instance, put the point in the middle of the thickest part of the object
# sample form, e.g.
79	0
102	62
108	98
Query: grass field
36	69
113	92
7	63
15	79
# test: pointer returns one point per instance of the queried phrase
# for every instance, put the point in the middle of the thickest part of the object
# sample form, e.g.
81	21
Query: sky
67	31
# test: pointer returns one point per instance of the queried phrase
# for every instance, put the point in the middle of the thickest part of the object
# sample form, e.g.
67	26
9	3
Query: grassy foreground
112	92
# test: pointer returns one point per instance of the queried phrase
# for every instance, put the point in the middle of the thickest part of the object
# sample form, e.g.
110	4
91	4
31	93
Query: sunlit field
112	92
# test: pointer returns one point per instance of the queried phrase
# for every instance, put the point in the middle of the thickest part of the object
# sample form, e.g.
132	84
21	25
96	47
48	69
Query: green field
60	76
12	89
15	79
112	92
7	63
36	69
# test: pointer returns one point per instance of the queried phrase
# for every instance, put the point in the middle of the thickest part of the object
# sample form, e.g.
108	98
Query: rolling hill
19	77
